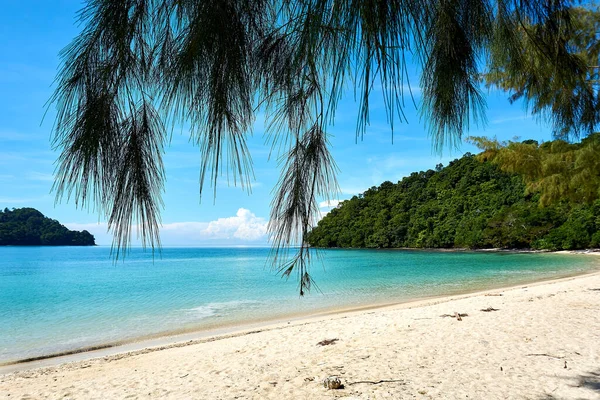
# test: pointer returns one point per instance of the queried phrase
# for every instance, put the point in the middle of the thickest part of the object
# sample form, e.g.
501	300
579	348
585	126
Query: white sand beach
541	342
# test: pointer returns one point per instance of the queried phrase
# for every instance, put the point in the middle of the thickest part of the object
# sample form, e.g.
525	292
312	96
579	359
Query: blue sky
31	37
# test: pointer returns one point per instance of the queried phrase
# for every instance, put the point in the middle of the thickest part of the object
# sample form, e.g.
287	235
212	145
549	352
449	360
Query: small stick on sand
377	382
327	342
544	355
489	309
456	315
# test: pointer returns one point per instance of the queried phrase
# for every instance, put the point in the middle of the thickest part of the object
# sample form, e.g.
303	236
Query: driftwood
494	294
489	309
376	382
543	355
327	342
456	315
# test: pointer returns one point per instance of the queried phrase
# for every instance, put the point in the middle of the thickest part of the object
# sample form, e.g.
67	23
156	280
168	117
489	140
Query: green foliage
556	170
556	74
468	204
29	227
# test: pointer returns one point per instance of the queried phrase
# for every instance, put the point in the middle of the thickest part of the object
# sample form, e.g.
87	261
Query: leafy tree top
569	99
467	204
29	227
558	170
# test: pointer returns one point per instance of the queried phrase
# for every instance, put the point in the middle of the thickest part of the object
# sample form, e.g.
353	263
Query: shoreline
532	341
192	336
591	251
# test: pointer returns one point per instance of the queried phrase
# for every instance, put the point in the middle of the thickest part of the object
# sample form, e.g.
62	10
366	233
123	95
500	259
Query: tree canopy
139	66
557	170
471	203
29	227
570	101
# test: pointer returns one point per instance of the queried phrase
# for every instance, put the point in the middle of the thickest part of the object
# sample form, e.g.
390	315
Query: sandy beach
540	341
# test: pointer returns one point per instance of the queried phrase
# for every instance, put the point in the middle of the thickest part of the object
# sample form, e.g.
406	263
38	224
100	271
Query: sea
62	299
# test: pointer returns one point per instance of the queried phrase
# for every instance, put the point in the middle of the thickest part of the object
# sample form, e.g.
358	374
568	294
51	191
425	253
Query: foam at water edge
213	308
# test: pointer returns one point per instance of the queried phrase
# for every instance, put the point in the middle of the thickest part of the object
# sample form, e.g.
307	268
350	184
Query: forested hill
468	204
29	227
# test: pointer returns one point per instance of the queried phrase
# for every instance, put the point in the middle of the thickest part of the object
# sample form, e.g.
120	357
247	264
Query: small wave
218	308
515	272
450	284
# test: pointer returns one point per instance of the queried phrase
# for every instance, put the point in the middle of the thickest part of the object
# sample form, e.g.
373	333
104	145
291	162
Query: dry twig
376	382
489	309
327	342
456	315
543	355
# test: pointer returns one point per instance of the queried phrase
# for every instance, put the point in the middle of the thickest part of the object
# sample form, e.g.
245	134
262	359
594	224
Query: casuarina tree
140	66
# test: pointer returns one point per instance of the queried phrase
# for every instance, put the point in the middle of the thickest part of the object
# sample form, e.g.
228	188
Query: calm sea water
55	299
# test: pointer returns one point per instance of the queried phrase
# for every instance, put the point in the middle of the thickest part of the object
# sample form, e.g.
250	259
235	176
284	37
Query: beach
55	302
537	341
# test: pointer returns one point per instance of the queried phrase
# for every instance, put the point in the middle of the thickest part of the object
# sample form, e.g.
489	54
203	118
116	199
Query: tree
29	227
140	65
567	98
468	204
558	170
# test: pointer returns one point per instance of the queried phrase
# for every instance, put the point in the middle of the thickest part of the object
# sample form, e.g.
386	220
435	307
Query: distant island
29	227
467	204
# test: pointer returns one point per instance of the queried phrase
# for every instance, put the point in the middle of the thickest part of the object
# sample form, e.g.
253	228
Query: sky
32	34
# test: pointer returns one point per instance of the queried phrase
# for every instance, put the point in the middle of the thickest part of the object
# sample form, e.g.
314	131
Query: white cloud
329	203
95	226
244	226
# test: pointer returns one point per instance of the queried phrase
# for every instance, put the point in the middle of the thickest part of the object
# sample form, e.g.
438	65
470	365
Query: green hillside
467	204
29	227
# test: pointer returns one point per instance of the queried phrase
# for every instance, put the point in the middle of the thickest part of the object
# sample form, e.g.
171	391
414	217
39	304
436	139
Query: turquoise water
55	299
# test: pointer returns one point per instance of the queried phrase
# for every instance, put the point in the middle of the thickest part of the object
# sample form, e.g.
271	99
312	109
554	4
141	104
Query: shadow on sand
590	381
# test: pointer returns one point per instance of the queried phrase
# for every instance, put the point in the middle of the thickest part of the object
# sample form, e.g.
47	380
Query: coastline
179	338
541	341
592	251
351	280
